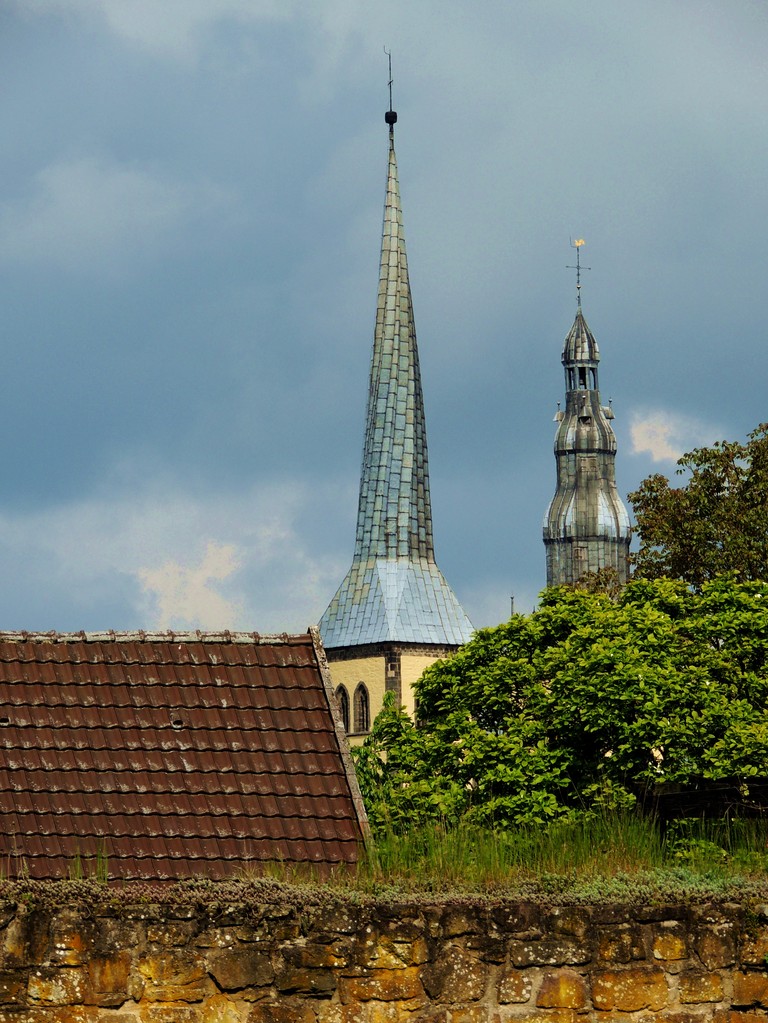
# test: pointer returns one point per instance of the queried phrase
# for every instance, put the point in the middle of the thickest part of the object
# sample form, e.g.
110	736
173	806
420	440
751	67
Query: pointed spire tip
390	117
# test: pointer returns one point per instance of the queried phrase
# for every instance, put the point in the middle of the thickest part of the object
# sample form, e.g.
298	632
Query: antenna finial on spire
390	117
576	244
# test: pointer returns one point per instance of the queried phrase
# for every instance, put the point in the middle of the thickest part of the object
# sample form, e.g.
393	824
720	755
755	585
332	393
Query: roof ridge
143	636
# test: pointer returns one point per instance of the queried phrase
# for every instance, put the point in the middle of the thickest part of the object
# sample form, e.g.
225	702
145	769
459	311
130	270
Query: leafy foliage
717	522
585	704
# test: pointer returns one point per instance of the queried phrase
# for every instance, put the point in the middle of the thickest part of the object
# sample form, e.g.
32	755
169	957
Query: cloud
186	596
165	558
170	28
666	436
83	212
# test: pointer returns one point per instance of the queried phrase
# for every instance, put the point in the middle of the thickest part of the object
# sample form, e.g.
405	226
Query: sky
191	196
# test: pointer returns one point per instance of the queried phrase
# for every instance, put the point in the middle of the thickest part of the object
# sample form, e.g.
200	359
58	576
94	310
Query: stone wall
383	964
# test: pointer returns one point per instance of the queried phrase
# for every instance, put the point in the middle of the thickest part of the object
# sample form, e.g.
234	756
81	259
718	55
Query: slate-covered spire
394	591
586	528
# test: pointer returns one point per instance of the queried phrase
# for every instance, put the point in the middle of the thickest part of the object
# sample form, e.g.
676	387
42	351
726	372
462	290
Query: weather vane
390	117
576	244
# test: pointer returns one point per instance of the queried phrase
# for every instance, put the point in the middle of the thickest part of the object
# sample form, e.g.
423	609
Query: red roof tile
171	755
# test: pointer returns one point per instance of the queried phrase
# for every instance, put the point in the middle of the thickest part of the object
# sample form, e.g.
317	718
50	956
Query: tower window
362	709
593	379
342	699
582	376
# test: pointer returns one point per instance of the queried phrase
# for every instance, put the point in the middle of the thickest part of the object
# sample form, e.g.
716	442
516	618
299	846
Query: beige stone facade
370	672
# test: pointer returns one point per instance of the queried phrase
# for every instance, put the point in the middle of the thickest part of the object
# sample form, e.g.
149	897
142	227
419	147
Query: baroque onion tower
586	528
394	613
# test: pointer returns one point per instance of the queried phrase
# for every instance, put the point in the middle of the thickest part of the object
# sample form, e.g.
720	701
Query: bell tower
586	528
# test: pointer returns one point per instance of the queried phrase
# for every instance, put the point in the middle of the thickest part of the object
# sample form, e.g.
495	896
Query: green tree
587	702
716	522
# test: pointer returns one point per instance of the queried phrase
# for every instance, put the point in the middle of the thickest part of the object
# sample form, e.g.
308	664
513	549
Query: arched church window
342	698
362	709
593	379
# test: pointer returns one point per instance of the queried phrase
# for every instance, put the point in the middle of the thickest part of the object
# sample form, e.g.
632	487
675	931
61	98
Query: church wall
350	673
388	667
412	668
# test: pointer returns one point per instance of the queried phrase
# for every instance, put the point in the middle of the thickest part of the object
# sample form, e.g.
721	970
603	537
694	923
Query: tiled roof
394	590
171	755
394	515
395	601
580	344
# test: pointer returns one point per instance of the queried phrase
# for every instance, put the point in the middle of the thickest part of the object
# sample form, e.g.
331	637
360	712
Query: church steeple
394	591
586	528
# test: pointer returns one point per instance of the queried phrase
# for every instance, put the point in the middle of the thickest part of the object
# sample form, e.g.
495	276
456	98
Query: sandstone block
513	919
433	1014
108	980
237	968
174	933
56	1014
153	1013
281	929
219	1009
284	1011
457	976
389	954
313	956
562	989
514	986
622	943
669	941
419	952
327	1011
71	939
328	921
25	940
469	1014
383	986
363	1012
754	948
377	1012
549	952
716	946
628	990
174	975
734	1016
52	986
12	988
651	913
549	1016
750	988
696	987
489	948
568	920
458	920
7	913
226	937
300	980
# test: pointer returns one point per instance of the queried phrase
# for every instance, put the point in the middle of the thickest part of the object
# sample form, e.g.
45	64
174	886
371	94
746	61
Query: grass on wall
590	852
596	859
